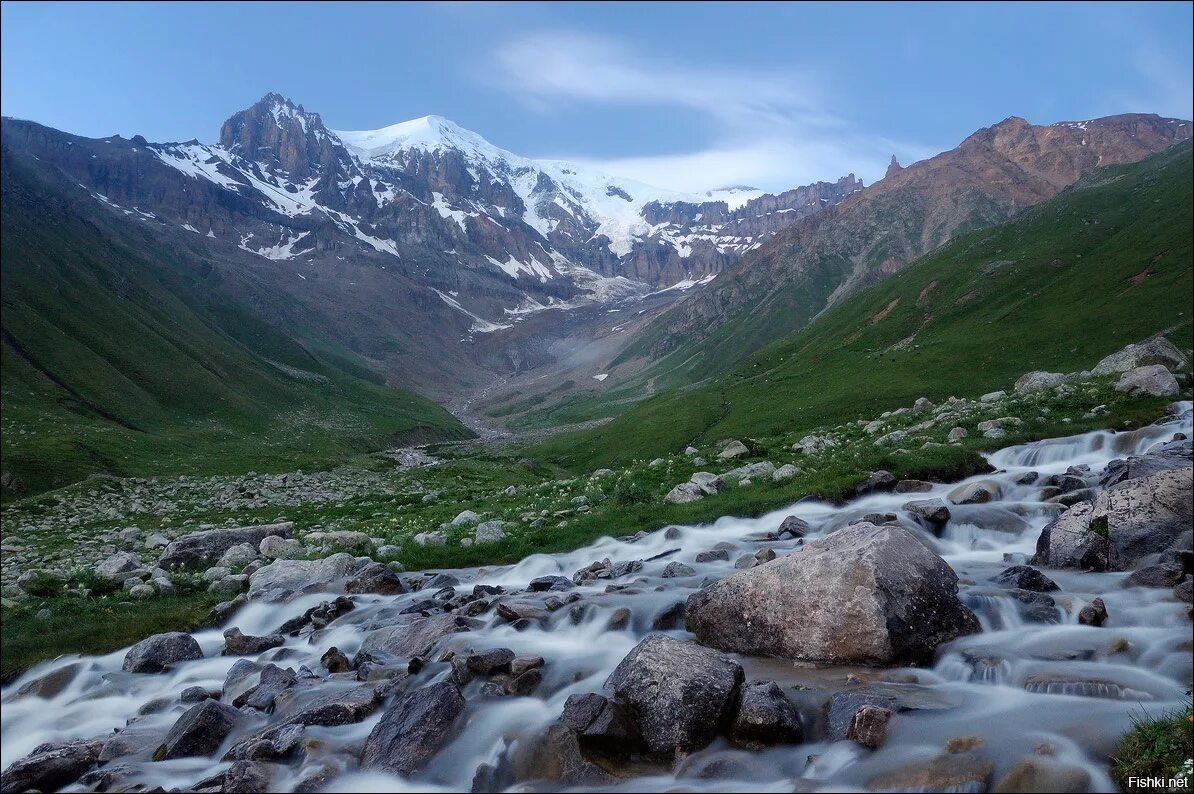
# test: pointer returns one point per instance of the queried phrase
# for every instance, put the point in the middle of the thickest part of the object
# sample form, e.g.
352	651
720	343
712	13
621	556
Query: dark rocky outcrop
157	653
413	729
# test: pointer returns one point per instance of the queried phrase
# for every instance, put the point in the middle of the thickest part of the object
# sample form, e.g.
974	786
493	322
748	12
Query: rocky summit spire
893	167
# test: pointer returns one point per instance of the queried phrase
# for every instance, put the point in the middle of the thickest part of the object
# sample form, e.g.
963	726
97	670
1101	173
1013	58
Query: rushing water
1012	684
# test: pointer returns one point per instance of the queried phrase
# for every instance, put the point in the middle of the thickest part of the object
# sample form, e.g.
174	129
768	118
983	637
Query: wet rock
1061	684
375	578
675	570
413	730
199	731
948	772
1152	381
1038	776
50	767
52	683
334	661
495	660
1185	590
203	549
520	664
678	692
868	726
1171	455
524	685
1125	524
842	706
226	609
557	756
246	777
274	743
933	512
711	555
273	682
283	580
1025	577
974	493
601	723
877	481
671	617
238	644
765	716
318	616
543	584
413	638
899	599
913	486
620	619
793	527
193	694
157	653
1093	614
1168	575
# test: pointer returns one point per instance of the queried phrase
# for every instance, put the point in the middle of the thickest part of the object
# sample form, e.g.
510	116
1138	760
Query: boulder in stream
413	730
864	595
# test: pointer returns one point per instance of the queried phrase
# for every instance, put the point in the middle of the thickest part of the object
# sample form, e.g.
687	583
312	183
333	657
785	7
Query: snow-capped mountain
502	233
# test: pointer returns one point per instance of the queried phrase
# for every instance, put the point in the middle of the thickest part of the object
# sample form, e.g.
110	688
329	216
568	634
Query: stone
948	772
491	662
933	512
913	486
238	556
765	716
601	723
278	548
50	767
899	598
430	539
922	404
1034	775
992	397
246	777
956	434
465	517
140	592
283	580
413	729
199	731
489	532
679	692
974	493
712	555
272	682
1031	382
334	661
200	549
119	566
1093	614
785	472
868	726
709	483
550	583
793	527
238	644
1158	351
750	471
1152	381
1126	524
677	569
734	449
161	651
415	637
1166	575
1171	455
683	493
375	578
1025	577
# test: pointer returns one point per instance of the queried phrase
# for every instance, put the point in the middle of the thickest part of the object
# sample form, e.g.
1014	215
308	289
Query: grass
1156	747
91	626
1106	263
125	356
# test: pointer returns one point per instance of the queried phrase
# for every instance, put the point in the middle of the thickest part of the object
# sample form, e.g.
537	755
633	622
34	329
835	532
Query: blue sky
684	95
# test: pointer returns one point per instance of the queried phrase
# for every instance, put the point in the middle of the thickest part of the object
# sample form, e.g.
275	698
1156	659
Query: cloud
772	129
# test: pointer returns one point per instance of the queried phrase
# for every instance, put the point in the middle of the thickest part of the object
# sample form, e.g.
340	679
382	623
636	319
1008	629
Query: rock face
1153	381
413	729
282	580
898	600
204	549
678	693
157	653
1125	524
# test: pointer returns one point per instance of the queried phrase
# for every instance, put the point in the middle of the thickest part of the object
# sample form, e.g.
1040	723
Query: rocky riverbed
973	636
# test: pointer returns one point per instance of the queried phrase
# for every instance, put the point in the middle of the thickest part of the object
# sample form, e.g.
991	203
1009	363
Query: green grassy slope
123	355
1105	263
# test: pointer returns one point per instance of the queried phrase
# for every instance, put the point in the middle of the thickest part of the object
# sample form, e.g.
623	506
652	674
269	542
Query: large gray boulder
157	653
204	549
1155	351
866	594
1126	524
413	730
1151	381
414	637
283	580
678	693
1171	455
1031	382
120	566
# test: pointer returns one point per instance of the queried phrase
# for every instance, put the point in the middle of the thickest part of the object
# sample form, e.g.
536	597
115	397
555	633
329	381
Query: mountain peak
893	167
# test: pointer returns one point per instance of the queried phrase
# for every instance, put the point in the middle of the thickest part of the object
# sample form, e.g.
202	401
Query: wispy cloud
770	129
